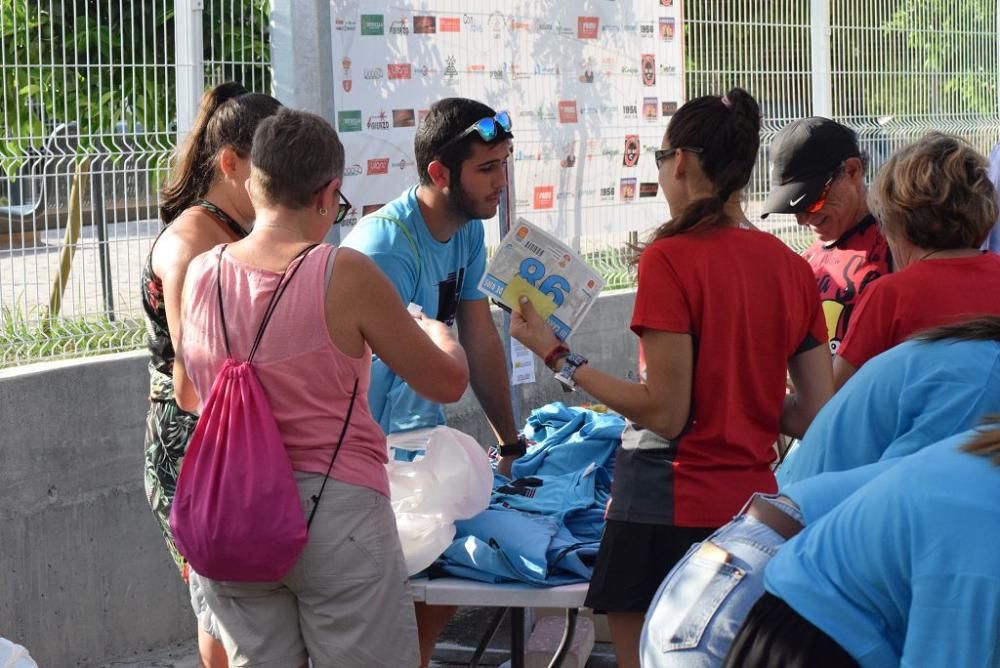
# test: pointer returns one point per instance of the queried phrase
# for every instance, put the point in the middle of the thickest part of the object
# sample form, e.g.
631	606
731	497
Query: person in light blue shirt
916	393
902	573
429	242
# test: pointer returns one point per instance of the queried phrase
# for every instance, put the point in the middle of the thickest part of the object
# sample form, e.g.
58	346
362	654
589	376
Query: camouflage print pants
168	430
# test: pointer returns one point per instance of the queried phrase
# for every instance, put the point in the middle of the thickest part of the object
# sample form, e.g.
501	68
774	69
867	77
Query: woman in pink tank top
346	601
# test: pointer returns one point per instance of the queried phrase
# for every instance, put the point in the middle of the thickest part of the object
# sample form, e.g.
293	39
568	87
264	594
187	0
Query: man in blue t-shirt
429	242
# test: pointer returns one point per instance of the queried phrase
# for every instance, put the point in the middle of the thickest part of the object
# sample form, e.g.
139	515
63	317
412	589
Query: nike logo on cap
793	202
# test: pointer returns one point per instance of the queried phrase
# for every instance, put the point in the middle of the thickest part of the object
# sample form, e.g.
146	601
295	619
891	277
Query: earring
323	211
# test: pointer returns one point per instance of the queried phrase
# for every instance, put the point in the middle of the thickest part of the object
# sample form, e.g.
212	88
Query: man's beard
460	202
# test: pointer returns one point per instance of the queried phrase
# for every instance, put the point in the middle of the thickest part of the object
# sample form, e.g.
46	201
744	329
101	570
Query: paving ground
454	649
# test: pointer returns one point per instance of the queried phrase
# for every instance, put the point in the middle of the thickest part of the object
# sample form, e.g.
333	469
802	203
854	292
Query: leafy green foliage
109	67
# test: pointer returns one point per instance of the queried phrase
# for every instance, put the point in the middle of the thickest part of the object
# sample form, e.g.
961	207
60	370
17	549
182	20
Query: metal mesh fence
89	117
87	126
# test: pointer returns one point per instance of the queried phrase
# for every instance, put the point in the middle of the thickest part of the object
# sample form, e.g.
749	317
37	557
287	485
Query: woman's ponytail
192	171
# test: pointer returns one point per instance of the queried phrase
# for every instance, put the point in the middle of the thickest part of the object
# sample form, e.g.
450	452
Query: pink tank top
308	380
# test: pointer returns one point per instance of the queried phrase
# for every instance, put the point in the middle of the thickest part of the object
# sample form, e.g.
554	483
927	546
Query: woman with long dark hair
205	203
723	312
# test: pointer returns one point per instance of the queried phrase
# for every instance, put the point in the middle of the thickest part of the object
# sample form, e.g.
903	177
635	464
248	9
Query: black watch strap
515	449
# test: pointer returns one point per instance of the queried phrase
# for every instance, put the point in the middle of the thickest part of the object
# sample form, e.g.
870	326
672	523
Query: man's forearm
490	383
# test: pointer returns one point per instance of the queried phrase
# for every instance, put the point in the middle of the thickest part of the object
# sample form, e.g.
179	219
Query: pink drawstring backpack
236	513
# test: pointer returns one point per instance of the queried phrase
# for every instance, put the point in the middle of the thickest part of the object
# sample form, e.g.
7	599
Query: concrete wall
84	575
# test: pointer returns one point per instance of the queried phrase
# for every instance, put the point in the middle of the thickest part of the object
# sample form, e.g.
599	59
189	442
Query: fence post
302	61
819	38
190	59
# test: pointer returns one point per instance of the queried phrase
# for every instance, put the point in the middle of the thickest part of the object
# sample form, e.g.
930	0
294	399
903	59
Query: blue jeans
701	604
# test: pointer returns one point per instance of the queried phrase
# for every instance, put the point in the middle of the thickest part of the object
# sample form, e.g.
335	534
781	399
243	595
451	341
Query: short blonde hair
935	193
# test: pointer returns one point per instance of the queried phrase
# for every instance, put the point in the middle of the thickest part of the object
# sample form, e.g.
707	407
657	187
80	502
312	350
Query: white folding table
512	597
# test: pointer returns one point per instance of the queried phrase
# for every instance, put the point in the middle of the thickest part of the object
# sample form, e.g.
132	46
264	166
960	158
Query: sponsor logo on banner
631	158
543	197
607	193
649	109
500	73
403	163
347	83
424	25
400	70
378	121
544	113
374	74
519	73
349	121
630	112
589	110
378	166
630	69
450	76
610	28
478	68
626	188
400	27
667	69
344	25
631	28
669	108
403	118
569	155
565	194
371	208
353	170
426	71
543	26
648	69
567	111
562	29
586	71
546	69
372	24
519	25
449	24
471	23
648	188
497	24
350	219
587	27
647	30
666	3
667	28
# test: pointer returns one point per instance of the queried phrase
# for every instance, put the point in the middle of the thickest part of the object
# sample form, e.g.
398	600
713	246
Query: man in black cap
818	174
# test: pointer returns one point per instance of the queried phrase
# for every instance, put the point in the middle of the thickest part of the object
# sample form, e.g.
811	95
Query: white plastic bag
14	656
448	479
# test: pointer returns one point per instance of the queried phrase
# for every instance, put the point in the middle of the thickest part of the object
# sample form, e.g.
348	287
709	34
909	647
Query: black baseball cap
804	155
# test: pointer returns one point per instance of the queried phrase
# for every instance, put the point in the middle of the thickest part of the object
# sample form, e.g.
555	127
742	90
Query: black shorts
633	560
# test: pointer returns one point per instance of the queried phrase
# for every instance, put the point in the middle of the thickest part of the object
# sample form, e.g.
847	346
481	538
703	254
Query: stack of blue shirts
544	526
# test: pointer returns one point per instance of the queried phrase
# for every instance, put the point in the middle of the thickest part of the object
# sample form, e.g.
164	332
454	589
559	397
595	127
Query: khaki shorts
206	620
345	603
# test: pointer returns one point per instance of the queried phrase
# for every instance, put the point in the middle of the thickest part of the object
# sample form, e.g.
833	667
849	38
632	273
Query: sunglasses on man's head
488	128
664	154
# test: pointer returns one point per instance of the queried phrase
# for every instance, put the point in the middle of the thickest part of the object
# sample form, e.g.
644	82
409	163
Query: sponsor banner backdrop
590	88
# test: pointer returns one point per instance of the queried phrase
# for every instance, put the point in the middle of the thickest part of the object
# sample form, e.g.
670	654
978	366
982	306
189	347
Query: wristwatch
515	449
571	363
